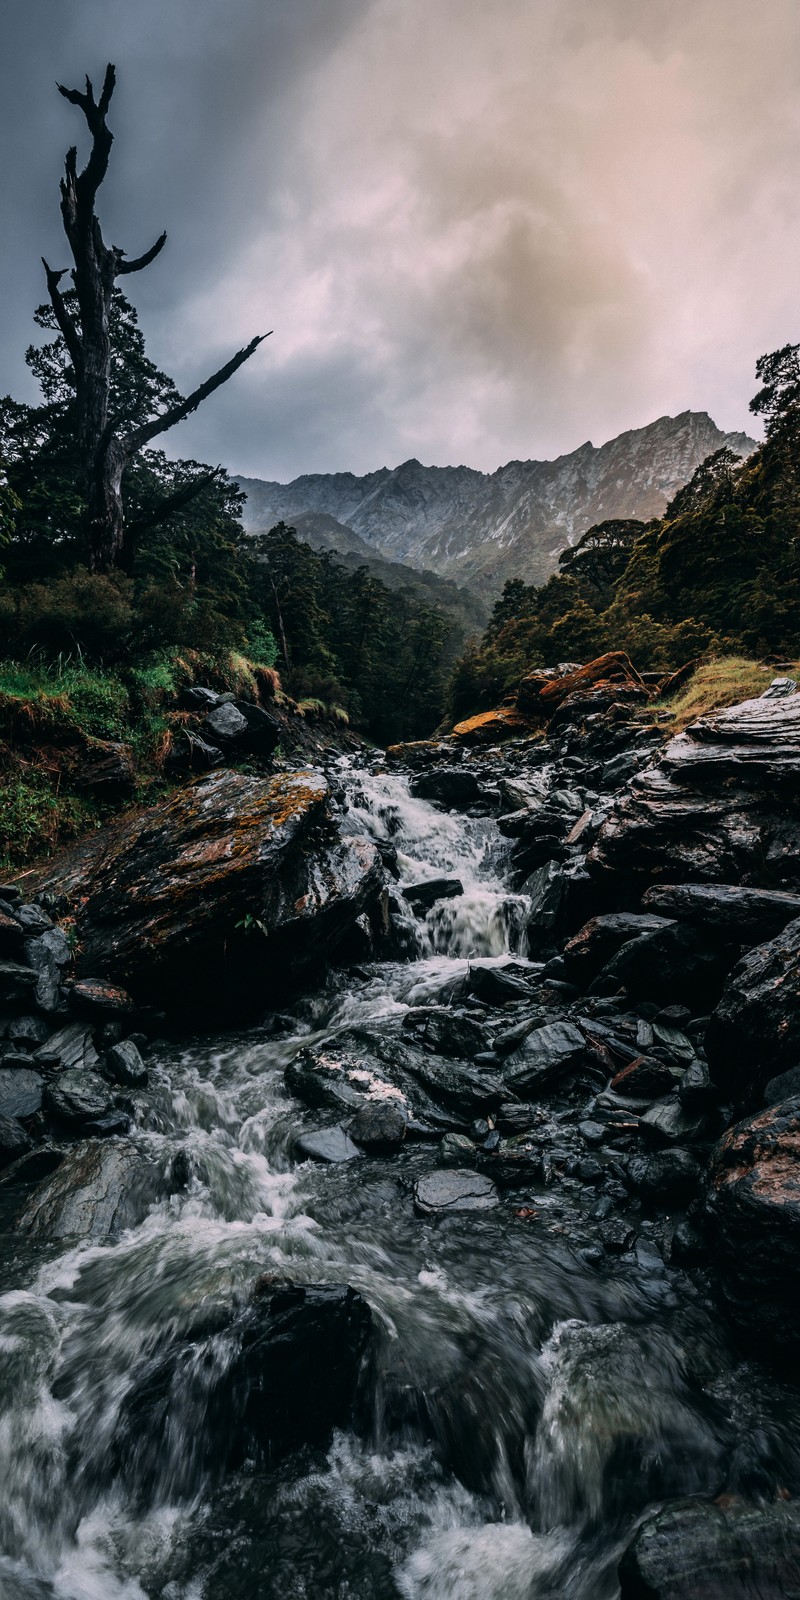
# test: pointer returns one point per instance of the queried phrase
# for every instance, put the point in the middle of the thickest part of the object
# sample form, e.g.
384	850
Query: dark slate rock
14	1141
379	1126
548	1054
72	1046
754	1033
20	1092
754	1211
421	896
327	1145
17	984
76	1096
123	1064
453	1190
668	1177
693	1550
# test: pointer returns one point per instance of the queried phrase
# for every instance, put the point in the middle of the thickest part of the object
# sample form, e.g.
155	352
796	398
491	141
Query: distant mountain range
480	528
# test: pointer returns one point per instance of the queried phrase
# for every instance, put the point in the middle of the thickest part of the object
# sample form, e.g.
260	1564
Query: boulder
754	1210
453	1189
549	1054
694	1550
21	1092
97	1189
220	894
746	915
754	1033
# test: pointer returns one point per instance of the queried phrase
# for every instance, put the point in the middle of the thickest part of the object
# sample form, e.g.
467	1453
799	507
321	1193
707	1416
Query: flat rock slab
330	1146
443	1192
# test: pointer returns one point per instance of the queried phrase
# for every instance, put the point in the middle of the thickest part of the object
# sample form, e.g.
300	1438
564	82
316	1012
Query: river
566	1395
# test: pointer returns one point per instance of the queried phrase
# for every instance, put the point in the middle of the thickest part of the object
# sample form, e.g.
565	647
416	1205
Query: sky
480	230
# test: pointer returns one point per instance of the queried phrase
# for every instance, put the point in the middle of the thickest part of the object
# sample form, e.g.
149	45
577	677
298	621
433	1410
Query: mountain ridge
476	527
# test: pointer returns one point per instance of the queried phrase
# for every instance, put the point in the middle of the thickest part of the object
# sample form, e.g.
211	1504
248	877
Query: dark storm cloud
479	231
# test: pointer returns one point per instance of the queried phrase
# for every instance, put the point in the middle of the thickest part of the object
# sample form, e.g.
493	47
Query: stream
526	1404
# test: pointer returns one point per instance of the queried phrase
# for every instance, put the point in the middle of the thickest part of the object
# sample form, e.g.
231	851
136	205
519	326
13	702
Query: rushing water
561	1398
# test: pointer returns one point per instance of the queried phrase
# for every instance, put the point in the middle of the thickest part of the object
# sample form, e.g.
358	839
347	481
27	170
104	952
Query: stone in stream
421	896
754	1211
547	1055
14	1141
20	1092
379	1126
219	895
694	1550
123	1064
754	1033
330	1146
453	1190
97	1189
77	1096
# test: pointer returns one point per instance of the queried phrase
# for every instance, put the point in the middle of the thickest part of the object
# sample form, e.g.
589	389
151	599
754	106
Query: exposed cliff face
470	525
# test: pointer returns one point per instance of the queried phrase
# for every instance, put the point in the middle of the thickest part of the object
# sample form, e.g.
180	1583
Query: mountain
477	527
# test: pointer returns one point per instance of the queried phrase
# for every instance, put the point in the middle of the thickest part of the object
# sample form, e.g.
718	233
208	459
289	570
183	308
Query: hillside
475	526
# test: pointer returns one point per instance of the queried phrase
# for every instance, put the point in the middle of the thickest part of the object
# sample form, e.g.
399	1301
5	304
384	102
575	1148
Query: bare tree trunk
105	450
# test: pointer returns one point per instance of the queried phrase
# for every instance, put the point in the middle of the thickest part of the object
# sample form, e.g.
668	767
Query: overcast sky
480	229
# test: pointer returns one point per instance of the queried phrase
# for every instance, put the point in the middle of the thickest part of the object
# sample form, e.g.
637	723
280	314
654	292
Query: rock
444	1030
548	1054
448	786
748	916
17	984
694	1550
668	1177
91	997
77	1095
754	1210
668	1122
754	1033
20	1092
72	1046
123	1064
220	894
421	896
106	768
14	1141
644	1077
98	1189
451	1190
327	1145
379	1126
600	938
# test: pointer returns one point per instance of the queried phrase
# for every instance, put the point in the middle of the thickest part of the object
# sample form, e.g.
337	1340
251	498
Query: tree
107	442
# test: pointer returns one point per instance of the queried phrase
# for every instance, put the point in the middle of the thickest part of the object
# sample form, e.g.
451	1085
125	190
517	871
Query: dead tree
106	446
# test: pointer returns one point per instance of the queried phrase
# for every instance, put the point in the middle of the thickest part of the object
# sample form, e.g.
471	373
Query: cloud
478	232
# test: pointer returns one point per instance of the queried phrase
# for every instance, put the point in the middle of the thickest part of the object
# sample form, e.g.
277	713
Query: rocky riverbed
468	1265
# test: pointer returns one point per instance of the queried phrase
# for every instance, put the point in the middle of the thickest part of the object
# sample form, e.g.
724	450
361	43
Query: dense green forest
718	573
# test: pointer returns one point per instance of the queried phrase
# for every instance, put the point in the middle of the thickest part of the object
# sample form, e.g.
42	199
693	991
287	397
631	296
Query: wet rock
330	1146
20	1092
445	1031
549	1054
600	938
14	1141
754	1210
453	1190
698	1551
72	1046
222	893
666	1178
754	1033
17	984
123	1064
380	1126
98	1189
77	1095
91	997
421	896
448	786
747	915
